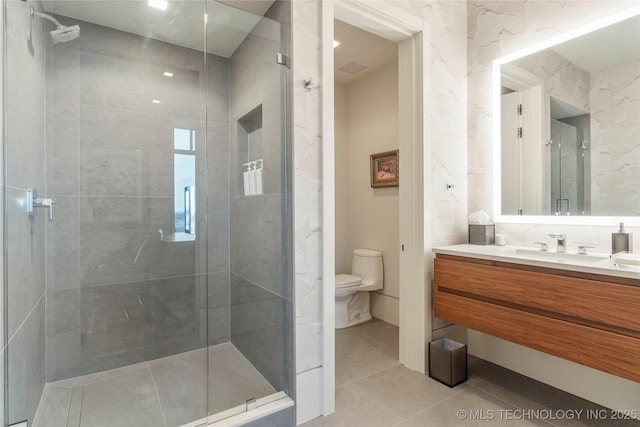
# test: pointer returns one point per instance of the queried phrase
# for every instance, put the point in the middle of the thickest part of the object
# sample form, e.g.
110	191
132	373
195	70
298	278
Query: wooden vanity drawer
586	318
603	350
596	303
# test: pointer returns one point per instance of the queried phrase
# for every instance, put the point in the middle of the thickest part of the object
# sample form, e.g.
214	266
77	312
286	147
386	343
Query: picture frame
385	169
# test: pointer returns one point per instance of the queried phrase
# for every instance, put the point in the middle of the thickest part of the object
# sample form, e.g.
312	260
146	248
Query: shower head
65	34
62	33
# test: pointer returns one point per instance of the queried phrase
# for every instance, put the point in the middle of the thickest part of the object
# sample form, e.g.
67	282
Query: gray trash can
448	361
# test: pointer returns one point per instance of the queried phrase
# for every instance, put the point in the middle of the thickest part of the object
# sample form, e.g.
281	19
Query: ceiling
360	47
616	44
228	22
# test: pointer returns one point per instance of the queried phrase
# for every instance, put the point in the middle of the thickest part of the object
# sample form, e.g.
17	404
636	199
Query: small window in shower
184	180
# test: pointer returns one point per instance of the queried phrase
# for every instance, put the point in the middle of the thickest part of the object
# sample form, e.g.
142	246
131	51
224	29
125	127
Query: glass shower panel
249	338
567	169
108	309
24	168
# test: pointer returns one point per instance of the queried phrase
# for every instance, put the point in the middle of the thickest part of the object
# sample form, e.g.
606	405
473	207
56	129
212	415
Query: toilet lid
347	281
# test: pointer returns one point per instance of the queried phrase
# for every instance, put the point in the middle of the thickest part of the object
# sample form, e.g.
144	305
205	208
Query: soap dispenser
245	179
258	176
621	241
252	178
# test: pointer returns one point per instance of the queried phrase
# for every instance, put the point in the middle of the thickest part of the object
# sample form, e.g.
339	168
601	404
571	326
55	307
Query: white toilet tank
367	264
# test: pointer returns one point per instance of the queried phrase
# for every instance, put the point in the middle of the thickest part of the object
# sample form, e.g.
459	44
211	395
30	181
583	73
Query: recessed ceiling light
168	74
155	101
158	4
336	43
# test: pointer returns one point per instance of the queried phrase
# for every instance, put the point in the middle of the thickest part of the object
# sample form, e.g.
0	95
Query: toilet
352	290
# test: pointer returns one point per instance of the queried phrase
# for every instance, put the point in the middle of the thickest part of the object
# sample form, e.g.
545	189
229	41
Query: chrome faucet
561	239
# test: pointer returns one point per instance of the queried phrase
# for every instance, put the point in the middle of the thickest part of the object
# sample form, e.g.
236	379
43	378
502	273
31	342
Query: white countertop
514	254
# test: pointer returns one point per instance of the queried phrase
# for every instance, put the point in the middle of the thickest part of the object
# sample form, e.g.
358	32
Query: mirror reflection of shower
569	167
62	33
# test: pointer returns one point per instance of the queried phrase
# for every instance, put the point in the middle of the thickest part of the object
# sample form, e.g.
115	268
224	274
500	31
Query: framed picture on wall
384	169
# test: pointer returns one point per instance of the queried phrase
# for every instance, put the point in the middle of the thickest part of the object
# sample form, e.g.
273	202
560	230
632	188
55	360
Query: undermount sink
559	256
626	259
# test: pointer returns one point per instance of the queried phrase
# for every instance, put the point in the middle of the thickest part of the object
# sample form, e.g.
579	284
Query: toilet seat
347	281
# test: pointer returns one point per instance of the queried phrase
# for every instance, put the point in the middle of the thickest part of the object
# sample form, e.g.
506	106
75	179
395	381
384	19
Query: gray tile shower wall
26	366
26	236
258	323
256	241
256	222
119	291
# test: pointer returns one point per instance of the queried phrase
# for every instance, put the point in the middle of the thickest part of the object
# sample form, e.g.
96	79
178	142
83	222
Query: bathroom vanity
578	307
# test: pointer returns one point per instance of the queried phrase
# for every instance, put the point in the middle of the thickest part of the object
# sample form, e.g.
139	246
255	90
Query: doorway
366	123
407	31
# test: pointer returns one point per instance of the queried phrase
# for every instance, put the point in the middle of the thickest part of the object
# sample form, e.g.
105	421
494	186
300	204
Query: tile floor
373	389
165	392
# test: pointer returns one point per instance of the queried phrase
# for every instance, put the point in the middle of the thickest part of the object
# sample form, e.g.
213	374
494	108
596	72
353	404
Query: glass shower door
248	211
107	299
567	171
147	281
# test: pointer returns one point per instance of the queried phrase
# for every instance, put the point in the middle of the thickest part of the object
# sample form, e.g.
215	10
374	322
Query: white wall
341	123
307	215
371	219
496	29
615	107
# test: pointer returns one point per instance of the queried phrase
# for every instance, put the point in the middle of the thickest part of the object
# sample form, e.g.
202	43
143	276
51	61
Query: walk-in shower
159	292
569	170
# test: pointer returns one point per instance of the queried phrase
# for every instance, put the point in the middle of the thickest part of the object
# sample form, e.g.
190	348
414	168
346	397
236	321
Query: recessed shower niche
250	153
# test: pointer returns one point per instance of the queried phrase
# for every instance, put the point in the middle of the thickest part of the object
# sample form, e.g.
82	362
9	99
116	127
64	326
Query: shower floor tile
171	391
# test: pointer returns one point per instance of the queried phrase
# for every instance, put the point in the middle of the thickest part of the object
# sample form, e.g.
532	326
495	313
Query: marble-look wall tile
448	100
307	181
615	140
563	79
599	238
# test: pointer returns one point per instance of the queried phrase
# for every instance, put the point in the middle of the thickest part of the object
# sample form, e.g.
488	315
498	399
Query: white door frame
410	32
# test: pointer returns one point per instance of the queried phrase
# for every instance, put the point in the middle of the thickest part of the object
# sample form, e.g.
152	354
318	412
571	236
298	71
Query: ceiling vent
352	67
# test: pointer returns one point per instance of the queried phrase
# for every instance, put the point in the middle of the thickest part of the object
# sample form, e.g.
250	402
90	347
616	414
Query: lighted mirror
567	123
